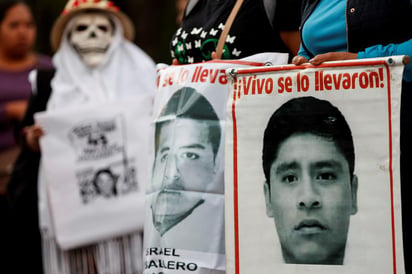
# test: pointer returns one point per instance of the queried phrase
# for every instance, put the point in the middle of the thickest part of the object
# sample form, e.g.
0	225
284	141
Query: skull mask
91	36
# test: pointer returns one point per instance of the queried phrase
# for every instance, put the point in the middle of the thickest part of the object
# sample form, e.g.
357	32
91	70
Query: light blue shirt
404	48
325	31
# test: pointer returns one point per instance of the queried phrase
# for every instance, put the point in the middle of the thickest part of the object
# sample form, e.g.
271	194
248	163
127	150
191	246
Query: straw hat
74	7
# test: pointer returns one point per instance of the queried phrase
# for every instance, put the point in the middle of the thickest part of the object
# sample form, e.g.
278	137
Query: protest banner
94	162
184	229
312	180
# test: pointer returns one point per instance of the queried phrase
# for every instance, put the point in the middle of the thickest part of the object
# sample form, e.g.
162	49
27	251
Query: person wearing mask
95	62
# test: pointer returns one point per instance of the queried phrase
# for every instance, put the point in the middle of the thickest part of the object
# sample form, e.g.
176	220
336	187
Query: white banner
312	180
184	229
95	165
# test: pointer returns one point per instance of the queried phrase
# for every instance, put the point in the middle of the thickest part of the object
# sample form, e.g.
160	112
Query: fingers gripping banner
184	229
95	168
312	178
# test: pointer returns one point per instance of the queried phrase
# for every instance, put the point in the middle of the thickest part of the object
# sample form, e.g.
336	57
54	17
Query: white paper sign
312	178
95	165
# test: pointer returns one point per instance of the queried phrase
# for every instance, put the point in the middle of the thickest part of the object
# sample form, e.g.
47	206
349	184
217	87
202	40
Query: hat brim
61	23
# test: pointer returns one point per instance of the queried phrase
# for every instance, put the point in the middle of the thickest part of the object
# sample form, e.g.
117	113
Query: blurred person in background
17	59
180	10
259	26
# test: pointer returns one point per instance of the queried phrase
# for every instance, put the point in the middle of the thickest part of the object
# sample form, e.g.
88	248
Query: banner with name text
312	180
184	228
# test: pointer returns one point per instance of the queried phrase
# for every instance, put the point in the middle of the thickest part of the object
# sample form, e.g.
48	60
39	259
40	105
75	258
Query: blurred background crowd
155	22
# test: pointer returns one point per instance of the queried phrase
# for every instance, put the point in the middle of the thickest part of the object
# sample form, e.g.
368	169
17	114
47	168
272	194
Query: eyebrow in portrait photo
310	189
187	140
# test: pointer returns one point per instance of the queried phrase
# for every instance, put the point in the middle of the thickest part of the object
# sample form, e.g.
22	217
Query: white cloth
78	145
127	71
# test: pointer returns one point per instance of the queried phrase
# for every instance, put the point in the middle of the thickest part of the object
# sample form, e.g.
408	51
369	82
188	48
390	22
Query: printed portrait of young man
187	140
310	189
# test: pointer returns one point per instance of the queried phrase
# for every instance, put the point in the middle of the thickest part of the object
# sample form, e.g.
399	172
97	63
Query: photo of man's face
184	167
311	196
105	183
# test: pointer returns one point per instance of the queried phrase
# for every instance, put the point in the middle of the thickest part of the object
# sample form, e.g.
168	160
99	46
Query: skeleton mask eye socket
103	28
81	28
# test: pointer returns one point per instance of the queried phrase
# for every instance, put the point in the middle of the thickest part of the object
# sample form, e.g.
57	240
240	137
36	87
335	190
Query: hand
320	58
33	134
175	62
332	56
299	60
214	55
15	110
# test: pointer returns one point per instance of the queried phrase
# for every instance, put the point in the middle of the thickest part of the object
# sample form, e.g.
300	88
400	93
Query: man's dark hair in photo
307	115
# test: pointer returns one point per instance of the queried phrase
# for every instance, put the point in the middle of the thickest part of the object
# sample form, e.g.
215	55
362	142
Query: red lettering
269	86
363	80
288	84
203	75
305	83
374	78
281	88
223	78
346	81
246	85
354	76
328	82
213	75
260	83
337	81
254	85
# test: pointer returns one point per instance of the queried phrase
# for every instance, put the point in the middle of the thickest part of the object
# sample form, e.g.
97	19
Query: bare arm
291	40
320	58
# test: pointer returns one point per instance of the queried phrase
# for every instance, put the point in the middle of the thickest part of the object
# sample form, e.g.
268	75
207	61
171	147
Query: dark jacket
25	245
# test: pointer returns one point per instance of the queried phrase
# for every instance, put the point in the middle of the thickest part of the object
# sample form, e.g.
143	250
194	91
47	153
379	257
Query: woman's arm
404	48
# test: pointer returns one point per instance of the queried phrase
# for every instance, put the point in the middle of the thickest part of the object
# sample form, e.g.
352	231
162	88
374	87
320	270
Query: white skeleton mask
91	36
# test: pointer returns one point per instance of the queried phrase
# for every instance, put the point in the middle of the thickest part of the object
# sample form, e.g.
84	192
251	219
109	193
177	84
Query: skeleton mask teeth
84	51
